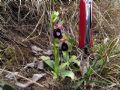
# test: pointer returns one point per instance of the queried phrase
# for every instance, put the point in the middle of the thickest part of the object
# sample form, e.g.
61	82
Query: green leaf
67	74
100	62
5	87
65	56
89	72
73	57
70	48
71	40
63	66
50	63
78	83
2	85
45	58
55	76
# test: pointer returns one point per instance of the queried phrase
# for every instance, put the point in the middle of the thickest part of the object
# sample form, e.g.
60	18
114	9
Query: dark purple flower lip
64	46
57	33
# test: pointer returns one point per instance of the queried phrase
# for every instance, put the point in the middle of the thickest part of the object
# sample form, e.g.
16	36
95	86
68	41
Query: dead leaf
36	50
31	65
11	76
35	78
48	52
35	64
23	85
40	65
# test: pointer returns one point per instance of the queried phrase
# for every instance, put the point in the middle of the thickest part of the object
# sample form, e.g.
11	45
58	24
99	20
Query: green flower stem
67	56
56	59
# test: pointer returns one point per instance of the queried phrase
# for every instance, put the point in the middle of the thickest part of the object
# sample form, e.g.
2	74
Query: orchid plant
62	47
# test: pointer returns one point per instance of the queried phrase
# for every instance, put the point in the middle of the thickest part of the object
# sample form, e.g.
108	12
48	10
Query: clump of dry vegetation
25	36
